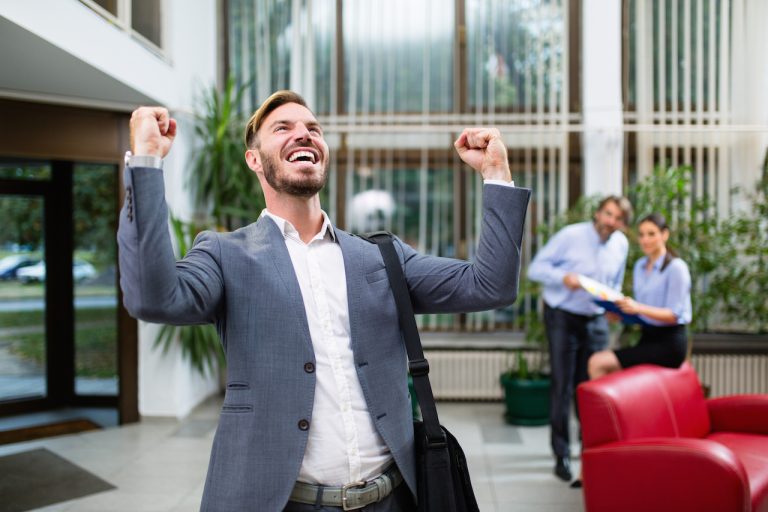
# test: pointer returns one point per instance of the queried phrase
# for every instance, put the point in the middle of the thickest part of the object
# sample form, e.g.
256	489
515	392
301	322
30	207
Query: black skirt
662	345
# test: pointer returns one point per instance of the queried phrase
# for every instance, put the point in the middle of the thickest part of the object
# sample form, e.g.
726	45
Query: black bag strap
418	365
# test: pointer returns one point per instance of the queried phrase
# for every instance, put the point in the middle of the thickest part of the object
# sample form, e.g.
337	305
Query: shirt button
309	368
303	425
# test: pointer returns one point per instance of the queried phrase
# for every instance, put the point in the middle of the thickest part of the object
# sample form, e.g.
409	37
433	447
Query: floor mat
38	478
39	431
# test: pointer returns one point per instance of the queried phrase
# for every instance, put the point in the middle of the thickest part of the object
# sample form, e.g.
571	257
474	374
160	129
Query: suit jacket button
303	425
309	368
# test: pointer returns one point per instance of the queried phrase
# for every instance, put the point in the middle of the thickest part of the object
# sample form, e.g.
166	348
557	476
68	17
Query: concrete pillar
603	139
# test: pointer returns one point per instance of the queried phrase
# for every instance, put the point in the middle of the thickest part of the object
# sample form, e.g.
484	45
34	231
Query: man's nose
302	132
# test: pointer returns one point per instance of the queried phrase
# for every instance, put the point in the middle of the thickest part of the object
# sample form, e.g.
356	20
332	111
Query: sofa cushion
643	401
688	403
752	451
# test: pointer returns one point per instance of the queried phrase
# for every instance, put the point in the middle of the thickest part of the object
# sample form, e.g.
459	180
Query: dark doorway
59	334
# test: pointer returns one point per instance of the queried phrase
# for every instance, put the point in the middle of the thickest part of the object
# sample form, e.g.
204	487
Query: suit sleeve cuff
152	161
499	182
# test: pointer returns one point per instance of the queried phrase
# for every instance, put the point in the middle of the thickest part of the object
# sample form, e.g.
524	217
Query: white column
603	141
749	81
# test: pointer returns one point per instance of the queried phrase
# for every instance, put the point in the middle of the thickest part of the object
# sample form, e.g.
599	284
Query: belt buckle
345	488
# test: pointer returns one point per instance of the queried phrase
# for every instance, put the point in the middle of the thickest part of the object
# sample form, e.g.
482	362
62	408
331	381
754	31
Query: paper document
598	289
605	297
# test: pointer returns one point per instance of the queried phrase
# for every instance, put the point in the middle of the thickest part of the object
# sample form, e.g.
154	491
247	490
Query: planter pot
414	401
527	400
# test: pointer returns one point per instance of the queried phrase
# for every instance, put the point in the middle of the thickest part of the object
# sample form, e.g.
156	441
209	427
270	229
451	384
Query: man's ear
253	159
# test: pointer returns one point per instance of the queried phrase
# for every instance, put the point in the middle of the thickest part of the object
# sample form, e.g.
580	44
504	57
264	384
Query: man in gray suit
316	414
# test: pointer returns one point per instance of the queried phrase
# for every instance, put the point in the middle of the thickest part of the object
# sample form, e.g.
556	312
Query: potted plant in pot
525	382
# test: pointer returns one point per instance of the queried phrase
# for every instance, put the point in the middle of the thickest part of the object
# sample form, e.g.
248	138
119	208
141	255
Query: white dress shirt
343	444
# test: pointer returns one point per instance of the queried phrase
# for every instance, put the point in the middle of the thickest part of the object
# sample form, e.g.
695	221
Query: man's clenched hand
152	131
484	151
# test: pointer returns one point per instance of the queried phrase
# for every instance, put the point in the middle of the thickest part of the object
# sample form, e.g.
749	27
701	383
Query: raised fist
152	131
483	150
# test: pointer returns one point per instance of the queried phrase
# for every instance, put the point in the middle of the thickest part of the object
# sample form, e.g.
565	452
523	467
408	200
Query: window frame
123	21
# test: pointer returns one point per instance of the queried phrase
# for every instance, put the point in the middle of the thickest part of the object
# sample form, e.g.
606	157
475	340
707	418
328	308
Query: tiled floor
159	464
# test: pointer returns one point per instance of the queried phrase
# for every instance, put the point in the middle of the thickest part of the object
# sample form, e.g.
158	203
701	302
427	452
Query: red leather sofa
652	442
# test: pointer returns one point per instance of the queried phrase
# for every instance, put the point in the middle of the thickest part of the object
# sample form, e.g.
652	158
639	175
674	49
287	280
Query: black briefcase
442	476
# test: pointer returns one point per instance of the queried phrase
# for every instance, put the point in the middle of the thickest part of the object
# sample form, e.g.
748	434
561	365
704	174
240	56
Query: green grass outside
32	318
95	340
13	290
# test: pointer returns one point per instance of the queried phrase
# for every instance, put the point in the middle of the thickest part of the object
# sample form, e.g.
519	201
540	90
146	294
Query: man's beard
604	231
302	186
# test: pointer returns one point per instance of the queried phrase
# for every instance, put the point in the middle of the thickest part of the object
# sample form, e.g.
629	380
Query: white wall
168	386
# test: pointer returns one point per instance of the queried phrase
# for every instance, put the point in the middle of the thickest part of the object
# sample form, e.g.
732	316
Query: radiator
474	374
726	374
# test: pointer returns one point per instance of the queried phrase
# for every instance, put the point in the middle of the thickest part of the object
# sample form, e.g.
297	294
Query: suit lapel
267	236
353	269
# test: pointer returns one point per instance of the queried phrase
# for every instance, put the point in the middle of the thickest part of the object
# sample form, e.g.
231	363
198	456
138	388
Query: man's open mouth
302	155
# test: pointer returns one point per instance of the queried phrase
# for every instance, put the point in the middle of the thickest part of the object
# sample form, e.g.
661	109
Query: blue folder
625	318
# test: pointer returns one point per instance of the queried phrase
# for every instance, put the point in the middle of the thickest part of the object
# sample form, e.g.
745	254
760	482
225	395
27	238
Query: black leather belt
351	496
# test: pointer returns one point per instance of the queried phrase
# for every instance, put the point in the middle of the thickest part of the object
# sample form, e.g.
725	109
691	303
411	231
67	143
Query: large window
515	55
395	63
394	82
284	44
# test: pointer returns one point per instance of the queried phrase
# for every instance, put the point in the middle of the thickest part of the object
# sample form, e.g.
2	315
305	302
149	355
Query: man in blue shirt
576	327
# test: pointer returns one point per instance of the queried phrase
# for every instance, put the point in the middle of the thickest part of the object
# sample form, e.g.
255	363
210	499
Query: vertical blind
679	68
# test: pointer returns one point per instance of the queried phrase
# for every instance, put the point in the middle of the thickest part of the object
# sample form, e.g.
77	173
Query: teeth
299	154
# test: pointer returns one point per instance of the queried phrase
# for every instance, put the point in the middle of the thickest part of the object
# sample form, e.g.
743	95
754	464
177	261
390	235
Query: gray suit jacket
244	283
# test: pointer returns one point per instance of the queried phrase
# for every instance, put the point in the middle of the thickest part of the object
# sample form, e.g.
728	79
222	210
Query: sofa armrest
739	413
680	474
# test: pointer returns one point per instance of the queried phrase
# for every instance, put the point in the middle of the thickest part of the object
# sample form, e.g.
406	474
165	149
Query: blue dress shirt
577	248
670	288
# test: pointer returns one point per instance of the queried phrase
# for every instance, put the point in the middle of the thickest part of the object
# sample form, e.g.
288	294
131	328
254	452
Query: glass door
24	356
23	374
58	296
94	273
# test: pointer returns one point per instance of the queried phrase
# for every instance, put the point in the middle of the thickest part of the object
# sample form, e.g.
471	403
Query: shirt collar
287	229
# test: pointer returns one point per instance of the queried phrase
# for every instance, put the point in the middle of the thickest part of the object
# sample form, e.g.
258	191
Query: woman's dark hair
660	222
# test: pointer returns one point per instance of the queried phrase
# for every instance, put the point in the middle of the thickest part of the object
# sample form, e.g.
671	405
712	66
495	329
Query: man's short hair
276	100
624	205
